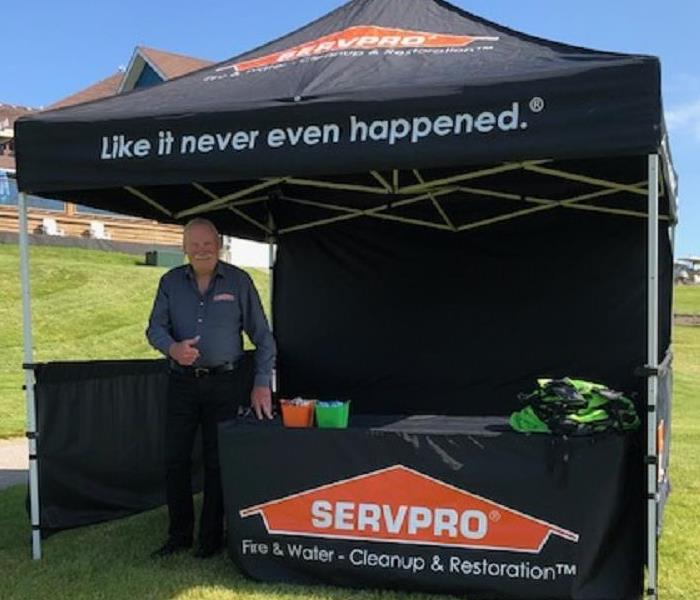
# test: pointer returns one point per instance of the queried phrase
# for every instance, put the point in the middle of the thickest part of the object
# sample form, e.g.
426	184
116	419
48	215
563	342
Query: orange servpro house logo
359	39
403	506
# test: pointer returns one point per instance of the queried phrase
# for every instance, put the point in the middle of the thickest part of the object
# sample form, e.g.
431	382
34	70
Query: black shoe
171	547
207	550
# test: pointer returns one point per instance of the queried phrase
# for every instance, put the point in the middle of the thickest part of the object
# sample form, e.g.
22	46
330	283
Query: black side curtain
100	445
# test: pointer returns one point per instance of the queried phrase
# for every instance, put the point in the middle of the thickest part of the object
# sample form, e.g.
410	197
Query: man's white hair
201	222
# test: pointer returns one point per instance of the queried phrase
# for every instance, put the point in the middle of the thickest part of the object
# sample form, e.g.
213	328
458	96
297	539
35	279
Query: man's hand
261	401
184	353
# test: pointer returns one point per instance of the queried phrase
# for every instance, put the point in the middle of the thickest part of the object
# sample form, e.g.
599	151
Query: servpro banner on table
400	505
409	527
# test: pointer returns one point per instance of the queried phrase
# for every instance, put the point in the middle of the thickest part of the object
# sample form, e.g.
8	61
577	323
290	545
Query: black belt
198	372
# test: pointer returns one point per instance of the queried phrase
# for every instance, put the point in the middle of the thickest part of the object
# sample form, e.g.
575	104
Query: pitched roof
167	64
101	89
170	64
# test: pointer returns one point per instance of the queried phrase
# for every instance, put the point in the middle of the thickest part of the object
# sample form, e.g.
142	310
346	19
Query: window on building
147	78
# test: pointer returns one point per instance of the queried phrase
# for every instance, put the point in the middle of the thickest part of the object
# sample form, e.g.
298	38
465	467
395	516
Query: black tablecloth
445	504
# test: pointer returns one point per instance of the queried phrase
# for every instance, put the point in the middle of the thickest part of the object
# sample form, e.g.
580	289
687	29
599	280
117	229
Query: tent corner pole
652	378
271	304
29	377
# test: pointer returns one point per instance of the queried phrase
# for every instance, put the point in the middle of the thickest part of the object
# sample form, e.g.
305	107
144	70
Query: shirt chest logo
224	298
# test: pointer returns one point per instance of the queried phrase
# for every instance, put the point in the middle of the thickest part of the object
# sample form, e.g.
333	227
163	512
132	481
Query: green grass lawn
79	313
86	304
111	561
686	299
680	543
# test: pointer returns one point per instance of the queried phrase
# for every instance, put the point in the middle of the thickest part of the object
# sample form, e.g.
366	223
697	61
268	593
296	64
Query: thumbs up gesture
184	353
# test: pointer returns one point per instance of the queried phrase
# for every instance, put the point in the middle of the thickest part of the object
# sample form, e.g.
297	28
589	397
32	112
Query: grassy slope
85	305
680	543
686	299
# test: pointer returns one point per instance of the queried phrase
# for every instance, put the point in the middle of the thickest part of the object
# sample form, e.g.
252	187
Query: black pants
193	402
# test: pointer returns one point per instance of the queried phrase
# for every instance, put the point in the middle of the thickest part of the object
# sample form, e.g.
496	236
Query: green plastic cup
333	417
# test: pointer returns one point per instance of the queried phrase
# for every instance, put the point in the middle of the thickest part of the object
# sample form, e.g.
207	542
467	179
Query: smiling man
198	315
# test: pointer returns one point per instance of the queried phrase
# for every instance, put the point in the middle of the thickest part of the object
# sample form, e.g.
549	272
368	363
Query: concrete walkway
14	462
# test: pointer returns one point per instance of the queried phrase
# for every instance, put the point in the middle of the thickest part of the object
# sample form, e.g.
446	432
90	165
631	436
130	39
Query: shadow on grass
112	560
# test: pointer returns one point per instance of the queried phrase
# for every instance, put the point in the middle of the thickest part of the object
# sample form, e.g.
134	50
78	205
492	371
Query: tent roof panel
373	87
397	48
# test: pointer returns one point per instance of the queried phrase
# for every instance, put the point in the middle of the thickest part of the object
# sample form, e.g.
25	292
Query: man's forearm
158	330
265	353
256	326
160	339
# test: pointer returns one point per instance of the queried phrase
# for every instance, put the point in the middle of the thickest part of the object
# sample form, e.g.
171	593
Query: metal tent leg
271	267
652	380
29	377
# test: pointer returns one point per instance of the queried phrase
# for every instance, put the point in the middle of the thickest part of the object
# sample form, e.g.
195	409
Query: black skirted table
441	504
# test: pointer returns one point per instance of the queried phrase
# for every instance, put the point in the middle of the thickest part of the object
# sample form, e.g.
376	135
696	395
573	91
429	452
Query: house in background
686	270
8	114
53	218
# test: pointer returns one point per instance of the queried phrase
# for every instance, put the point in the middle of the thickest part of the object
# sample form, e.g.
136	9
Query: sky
52	49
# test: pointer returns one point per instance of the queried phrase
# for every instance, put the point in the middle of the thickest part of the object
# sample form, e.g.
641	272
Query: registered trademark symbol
494	516
537	104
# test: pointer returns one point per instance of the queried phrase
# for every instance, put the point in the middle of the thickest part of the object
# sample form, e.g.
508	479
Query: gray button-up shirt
230	305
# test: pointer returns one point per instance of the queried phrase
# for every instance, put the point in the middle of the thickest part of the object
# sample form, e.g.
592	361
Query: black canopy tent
420	170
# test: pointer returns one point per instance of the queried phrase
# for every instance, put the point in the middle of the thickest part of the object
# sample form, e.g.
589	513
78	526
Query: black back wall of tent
406	320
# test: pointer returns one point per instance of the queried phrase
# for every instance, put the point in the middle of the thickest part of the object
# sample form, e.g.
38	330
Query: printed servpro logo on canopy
358	39
400	505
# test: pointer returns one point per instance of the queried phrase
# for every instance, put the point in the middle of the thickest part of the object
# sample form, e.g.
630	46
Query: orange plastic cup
297	415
